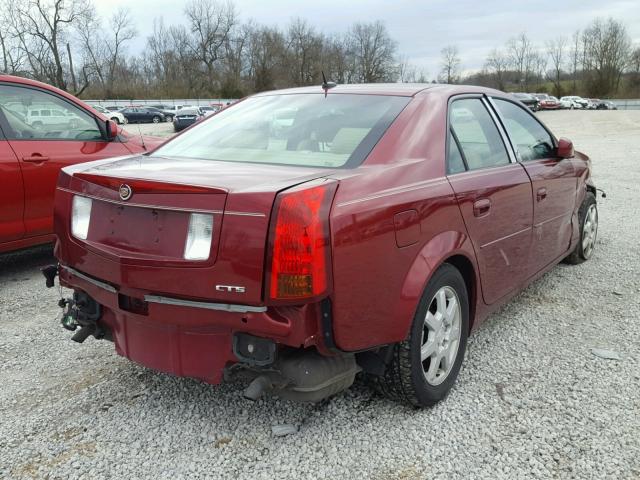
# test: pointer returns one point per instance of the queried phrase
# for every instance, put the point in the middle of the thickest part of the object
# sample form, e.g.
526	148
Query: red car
371	232
43	129
547	102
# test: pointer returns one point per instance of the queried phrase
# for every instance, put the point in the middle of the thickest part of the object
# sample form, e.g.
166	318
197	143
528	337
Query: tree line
213	53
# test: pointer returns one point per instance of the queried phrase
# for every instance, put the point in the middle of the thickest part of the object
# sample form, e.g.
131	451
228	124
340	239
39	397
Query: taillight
301	247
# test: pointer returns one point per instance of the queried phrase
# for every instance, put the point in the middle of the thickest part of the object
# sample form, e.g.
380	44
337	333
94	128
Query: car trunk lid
139	239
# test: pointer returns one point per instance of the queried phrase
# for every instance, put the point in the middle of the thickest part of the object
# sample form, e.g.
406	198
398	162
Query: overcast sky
421	27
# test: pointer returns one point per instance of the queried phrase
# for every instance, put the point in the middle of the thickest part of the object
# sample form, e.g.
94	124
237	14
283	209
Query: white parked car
117	117
573	101
206	110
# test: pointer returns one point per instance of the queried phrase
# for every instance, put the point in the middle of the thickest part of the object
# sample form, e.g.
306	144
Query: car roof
391	89
34	83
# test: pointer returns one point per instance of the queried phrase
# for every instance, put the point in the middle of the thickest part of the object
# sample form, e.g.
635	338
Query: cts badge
230	289
125	192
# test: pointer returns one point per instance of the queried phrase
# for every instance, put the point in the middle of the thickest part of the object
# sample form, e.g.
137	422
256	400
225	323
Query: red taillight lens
301	244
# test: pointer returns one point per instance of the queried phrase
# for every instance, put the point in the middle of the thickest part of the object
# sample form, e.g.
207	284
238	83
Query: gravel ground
532	399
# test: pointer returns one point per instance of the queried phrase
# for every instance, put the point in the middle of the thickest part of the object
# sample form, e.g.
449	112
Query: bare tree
556	51
43	28
607	49
304	47
450	64
211	23
497	64
372	53
634	68
575	57
522	58
12	57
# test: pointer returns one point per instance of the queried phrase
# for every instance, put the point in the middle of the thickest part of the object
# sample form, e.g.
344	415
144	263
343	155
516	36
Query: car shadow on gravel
15	264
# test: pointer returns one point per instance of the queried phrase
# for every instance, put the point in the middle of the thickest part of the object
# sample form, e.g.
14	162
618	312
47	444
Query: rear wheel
116	120
155	119
425	366
588	218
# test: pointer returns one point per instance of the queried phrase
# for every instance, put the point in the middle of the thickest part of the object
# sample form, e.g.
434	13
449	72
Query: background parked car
606	105
143	115
43	129
115	116
573	101
547	102
206	110
169	111
187	117
529	100
113	108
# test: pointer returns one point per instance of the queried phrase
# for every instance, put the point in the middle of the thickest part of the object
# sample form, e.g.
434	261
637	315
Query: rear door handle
481	207
36	157
541	194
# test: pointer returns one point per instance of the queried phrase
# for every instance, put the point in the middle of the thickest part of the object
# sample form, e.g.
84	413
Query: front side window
36	115
299	129
477	134
530	139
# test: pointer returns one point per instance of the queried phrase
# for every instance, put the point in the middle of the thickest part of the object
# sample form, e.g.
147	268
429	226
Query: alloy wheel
589	231
441	335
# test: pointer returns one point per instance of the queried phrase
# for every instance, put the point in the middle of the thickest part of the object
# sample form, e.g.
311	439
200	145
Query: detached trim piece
86	278
225	307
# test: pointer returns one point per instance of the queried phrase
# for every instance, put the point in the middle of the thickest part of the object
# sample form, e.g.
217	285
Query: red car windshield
335	131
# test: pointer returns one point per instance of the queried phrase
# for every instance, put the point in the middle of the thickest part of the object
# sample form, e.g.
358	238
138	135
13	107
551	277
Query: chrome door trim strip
162	207
505	237
86	278
565	214
225	307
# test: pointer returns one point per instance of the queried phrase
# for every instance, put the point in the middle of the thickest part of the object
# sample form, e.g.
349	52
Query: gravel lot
532	399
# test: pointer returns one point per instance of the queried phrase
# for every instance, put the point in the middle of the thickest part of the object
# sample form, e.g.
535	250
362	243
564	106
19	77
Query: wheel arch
451	247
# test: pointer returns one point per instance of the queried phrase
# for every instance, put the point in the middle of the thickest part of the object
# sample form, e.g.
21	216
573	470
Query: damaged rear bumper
187	337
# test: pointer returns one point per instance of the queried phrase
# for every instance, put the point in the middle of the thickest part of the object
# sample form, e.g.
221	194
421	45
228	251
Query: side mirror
112	130
565	148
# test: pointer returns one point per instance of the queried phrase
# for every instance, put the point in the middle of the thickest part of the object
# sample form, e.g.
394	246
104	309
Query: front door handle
541	194
481	207
36	157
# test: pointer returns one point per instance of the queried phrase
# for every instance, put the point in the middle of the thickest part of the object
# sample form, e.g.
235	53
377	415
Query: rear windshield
304	129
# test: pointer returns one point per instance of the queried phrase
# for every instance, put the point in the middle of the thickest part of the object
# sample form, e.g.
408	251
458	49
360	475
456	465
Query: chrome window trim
513	157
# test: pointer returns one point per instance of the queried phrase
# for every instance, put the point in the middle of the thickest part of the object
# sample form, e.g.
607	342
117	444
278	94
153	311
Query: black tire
404	379
169	118
579	255
115	119
155	119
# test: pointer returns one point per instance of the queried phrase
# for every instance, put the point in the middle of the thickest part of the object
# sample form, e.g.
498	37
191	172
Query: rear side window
530	139
455	162
477	134
337	130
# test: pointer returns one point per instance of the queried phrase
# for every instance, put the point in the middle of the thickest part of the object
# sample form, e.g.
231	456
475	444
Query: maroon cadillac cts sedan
302	236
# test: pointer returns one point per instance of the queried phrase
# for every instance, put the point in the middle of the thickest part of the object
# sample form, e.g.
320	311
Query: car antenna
142	139
326	85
